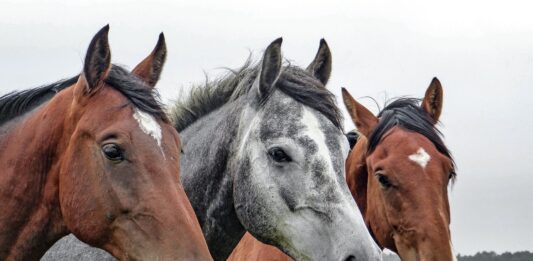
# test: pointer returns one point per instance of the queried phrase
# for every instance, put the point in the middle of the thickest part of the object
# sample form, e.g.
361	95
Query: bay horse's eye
383	180
113	152
278	155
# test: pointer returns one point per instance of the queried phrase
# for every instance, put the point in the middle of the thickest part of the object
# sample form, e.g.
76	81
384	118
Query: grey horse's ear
320	67
270	67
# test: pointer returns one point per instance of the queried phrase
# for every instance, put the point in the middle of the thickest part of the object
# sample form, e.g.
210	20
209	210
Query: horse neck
30	220
209	148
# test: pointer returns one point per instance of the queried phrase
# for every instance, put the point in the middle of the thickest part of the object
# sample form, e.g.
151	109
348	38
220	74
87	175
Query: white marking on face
148	125
314	132
421	157
255	120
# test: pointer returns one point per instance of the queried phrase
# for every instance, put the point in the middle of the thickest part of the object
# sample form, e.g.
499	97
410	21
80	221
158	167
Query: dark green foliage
491	256
482	256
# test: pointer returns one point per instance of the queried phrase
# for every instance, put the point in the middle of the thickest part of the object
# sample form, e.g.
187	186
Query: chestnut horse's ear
363	119
320	67
432	102
151	67
270	67
97	60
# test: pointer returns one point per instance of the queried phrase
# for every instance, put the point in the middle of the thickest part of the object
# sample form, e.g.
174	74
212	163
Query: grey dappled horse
264	152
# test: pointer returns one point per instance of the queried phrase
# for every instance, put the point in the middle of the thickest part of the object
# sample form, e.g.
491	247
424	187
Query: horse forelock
407	113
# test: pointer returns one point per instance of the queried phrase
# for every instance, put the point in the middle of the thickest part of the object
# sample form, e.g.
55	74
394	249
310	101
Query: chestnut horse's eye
383	180
113	152
278	155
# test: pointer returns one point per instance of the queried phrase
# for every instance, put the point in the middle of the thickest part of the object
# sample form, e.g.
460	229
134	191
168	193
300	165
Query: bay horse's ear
320	67
97	60
432	102
270	67
151	67
363	119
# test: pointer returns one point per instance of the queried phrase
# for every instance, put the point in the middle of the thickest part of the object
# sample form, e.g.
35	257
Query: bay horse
96	156
399	172
264	152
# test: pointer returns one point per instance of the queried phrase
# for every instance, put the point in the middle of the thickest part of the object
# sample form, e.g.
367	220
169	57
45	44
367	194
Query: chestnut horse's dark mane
293	81
408	114
138	93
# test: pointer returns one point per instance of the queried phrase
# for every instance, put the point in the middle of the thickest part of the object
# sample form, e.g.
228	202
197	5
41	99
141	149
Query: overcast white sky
482	51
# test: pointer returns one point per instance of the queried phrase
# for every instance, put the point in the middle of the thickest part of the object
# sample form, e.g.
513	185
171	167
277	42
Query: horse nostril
350	258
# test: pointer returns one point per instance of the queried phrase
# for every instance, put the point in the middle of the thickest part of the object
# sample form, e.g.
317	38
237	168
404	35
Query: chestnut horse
399	173
404	199
95	156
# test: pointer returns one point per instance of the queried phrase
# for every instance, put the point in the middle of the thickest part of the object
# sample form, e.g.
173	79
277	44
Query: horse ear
270	67
97	60
151	67
432	102
320	67
363	119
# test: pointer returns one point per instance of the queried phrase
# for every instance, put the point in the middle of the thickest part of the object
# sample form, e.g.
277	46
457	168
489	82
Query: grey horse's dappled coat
264	152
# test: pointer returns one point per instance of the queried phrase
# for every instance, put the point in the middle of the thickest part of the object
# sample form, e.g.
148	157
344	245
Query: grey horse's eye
279	155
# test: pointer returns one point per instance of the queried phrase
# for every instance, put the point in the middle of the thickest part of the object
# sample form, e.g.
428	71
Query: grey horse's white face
289	185
290	189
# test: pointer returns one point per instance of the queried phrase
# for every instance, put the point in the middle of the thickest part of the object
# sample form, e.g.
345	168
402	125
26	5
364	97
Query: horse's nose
350	258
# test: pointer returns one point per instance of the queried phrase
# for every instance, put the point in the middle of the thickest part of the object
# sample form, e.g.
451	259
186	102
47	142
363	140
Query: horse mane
17	103
293	81
408	114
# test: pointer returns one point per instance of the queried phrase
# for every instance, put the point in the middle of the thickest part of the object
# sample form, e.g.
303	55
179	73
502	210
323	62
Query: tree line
482	256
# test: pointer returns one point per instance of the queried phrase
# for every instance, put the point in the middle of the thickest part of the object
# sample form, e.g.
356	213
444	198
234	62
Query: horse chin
309	237
425	251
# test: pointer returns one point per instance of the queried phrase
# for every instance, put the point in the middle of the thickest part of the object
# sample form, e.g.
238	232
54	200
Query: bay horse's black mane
17	103
408	114
293	81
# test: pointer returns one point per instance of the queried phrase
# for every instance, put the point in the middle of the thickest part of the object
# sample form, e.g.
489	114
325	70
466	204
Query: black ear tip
436	83
104	30
435	80
102	34
323	42
161	41
344	91
277	41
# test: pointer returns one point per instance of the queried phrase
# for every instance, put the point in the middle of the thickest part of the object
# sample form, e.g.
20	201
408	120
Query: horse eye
113	152
278	155
384	181
451	175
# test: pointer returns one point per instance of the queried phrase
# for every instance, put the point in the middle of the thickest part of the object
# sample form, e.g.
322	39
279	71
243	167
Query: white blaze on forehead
314	132
421	157
148	125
